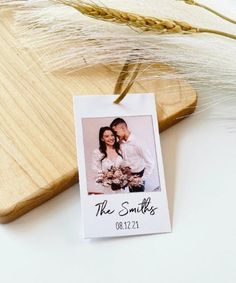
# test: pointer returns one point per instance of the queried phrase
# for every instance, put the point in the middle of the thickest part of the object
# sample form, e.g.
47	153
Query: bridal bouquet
117	177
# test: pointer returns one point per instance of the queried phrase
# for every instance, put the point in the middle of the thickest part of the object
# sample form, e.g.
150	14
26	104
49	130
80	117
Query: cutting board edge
44	194
182	114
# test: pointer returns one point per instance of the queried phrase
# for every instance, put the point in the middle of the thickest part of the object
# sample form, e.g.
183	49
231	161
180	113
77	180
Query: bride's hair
102	144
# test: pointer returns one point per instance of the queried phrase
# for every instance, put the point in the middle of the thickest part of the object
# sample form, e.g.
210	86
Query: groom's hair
117	121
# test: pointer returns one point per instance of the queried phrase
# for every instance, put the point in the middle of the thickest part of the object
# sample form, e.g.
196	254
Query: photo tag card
121	176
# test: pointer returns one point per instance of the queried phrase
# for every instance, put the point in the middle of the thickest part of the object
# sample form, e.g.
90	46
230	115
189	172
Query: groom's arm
148	160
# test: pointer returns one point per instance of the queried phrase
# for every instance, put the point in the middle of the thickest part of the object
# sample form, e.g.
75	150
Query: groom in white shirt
133	151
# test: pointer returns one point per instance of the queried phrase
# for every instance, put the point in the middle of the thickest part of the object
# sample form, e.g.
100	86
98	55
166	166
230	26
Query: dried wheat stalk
67	40
195	3
137	21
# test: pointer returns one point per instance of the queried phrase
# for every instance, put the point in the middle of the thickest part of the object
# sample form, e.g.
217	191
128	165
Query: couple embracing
121	163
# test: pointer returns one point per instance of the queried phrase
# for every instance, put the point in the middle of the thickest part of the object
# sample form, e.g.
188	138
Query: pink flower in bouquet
109	174
116	181
118	173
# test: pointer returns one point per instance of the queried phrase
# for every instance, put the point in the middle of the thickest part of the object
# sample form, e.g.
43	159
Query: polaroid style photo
121	176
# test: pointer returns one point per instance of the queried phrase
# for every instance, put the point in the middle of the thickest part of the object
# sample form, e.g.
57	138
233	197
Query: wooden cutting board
37	141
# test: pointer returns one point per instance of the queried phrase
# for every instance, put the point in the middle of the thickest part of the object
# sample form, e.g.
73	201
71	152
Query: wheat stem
137	21
191	2
232	36
131	19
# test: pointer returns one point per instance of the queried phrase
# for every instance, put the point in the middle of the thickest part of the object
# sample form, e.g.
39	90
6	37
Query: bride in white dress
107	156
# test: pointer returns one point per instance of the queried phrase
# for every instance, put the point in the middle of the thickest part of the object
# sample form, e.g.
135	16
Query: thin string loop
122	78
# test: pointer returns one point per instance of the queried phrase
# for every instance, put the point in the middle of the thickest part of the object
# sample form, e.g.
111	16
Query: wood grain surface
37	141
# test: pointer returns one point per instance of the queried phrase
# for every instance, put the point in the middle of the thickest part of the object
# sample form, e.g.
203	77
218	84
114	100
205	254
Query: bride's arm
96	162
96	166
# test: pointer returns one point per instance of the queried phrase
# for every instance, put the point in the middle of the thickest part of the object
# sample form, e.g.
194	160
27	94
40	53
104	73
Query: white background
199	159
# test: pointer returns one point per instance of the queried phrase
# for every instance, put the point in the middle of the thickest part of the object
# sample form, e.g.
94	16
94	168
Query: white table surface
199	155
199	159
